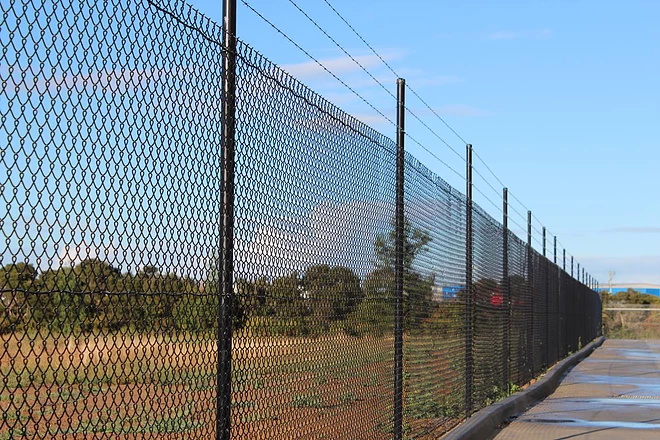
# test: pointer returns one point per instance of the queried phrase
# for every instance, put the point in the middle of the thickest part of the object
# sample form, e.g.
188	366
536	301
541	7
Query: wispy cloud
311	69
110	80
514	35
635	230
421	77
370	119
629	269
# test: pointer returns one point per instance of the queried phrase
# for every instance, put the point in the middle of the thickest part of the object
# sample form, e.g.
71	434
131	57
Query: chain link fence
110	280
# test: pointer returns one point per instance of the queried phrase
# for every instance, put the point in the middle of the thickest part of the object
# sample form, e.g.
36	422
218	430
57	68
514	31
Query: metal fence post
469	315
398	294
226	285
506	291
556	335
561	310
572	275
530	289
546	342
544	241
578	272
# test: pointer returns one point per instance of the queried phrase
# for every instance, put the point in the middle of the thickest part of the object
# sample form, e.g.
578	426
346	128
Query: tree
333	292
17	276
197	310
17	280
376	311
414	241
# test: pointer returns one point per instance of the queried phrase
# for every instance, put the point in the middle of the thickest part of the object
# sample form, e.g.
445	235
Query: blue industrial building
651	289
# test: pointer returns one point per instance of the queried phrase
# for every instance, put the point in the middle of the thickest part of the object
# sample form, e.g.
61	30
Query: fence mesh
521	331
490	308
434	303
110	284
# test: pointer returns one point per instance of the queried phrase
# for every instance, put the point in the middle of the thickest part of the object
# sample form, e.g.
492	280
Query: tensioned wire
379	83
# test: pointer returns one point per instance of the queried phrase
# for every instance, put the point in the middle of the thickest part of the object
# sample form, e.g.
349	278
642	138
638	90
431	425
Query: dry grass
631	324
59	386
38	359
163	386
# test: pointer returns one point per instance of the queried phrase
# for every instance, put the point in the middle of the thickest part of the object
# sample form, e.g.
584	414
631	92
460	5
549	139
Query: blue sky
561	99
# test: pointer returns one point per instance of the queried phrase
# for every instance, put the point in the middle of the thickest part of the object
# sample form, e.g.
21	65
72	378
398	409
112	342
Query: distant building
651	289
451	292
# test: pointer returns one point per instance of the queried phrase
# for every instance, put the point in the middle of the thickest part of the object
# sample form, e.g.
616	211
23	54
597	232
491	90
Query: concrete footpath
612	394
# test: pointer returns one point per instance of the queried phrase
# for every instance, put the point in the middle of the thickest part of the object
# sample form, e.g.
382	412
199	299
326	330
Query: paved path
612	394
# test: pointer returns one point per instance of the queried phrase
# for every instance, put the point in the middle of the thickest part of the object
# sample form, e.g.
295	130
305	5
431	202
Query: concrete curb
482	424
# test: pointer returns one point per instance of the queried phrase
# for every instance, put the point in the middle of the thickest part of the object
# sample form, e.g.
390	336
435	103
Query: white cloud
419	77
371	119
332	233
635	269
74	253
110	80
312	69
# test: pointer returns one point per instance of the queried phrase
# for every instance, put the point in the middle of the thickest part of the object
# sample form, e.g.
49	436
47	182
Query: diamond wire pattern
313	351
434	305
540	325
112	191
521	313
110	152
490	309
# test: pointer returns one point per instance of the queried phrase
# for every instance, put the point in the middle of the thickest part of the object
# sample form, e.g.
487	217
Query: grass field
634	324
147	386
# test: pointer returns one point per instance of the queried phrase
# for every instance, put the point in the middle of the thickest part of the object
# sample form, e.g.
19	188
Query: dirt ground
163	387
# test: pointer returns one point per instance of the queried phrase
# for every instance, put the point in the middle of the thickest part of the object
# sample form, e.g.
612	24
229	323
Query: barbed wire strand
270	77
523	216
522	228
503	185
386	64
316	61
495	190
511	194
413	114
389	92
476	154
341	17
380	84
476	188
434	155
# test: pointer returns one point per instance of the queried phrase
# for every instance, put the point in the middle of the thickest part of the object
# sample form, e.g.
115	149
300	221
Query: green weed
348	398
308	401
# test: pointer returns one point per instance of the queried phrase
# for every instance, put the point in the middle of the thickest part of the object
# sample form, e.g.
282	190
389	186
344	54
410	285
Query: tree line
94	295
